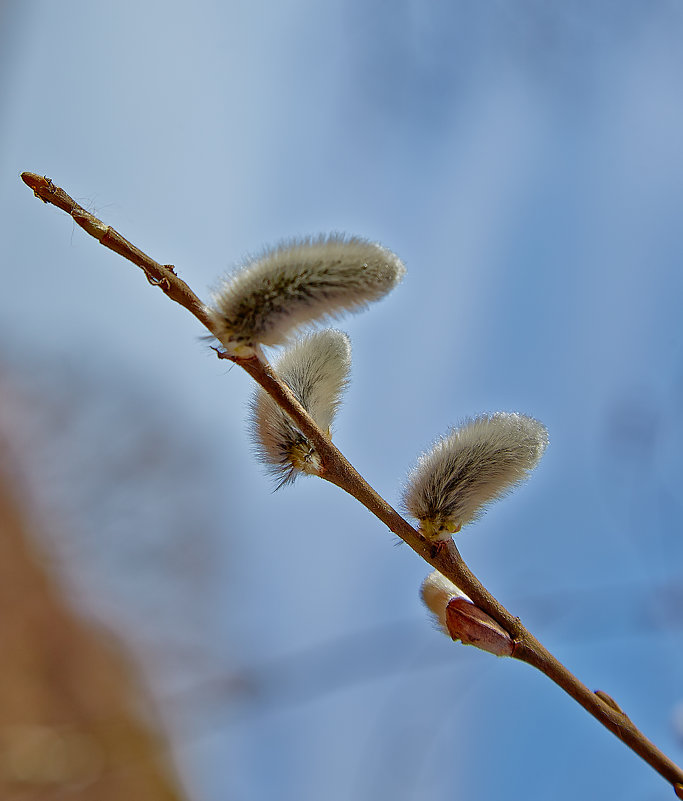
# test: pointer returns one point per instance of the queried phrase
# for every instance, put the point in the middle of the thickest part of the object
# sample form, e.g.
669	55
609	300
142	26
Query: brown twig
161	275
339	471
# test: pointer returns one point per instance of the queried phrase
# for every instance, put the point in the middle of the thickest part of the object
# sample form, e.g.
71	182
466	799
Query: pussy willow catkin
470	467
316	369
297	282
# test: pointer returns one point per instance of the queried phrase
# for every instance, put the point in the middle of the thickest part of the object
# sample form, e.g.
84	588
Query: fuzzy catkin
470	467
436	592
316	369
297	282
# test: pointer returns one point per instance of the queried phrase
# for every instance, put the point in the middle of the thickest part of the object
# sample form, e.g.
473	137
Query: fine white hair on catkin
316	368
470	467
436	592
297	282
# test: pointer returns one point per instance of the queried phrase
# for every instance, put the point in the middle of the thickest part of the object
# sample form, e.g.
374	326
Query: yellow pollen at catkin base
439	530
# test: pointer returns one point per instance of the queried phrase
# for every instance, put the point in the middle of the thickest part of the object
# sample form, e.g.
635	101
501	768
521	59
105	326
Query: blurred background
169	626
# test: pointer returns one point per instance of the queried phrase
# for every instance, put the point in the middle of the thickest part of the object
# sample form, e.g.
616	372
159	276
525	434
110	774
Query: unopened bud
602	695
469	624
436	593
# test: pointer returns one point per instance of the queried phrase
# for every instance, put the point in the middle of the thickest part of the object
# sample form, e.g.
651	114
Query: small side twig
339	471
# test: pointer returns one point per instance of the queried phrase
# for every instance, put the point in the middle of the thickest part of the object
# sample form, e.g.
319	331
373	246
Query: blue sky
525	161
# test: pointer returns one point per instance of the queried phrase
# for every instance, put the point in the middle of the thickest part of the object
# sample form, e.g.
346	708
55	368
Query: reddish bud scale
469	624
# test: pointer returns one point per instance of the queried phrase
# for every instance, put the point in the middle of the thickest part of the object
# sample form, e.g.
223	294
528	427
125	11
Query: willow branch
161	275
339	471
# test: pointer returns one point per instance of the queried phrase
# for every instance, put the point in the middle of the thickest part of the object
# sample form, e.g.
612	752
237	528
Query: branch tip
36	182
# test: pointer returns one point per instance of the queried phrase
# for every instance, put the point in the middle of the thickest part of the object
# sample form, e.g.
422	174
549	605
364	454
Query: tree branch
339	471
161	275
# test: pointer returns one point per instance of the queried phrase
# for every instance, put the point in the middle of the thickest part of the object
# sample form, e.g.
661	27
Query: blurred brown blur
71	707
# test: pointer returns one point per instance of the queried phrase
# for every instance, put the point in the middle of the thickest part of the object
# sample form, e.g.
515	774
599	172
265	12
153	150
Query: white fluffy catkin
297	282
470	467
316	369
436	592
